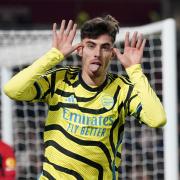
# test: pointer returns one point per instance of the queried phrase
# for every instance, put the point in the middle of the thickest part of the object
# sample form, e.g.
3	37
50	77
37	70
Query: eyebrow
104	44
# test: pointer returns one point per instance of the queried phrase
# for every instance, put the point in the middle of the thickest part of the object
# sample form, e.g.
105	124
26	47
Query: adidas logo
71	99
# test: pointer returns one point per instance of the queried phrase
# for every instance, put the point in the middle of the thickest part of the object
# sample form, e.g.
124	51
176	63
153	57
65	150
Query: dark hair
99	26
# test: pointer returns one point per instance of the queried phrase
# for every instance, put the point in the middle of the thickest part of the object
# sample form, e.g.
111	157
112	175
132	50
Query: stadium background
39	14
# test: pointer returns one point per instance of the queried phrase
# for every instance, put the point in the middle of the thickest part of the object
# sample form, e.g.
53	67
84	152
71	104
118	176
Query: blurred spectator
81	17
7	162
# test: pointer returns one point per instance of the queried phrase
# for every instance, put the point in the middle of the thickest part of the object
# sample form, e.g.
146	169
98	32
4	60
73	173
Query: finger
62	27
134	39
69	27
126	41
117	53
77	46
72	34
139	41
143	45
54	40
54	30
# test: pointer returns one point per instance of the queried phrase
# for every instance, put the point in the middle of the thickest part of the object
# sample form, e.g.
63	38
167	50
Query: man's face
96	55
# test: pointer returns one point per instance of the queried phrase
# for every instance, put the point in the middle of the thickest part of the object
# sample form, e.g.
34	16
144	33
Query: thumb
117	53
76	46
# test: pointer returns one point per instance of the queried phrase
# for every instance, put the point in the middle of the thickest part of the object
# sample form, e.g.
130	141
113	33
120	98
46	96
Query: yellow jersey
84	127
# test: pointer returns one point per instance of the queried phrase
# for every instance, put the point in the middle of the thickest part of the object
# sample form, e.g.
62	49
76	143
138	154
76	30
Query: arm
22	86
145	101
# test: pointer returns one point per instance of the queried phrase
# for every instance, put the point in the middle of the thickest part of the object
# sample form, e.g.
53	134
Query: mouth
95	65
96	62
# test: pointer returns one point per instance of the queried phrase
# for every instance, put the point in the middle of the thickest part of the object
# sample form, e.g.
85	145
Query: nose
97	52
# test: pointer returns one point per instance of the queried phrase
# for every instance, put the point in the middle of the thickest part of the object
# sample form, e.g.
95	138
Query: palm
131	56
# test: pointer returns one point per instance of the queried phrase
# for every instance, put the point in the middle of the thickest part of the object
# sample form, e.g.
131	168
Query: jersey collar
89	88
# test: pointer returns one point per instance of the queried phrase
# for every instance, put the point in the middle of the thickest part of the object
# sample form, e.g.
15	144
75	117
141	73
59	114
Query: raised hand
133	50
62	40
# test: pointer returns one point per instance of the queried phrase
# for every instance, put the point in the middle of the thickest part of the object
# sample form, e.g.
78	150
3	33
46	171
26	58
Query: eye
106	47
90	46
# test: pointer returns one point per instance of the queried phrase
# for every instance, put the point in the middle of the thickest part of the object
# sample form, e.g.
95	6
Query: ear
79	51
113	55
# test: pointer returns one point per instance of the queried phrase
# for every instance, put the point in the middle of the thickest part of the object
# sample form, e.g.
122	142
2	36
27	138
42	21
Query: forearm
152	113
21	86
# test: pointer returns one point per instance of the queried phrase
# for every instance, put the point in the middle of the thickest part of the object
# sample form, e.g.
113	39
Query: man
87	106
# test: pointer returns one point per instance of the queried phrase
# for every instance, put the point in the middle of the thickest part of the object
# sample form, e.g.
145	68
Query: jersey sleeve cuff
48	61
55	50
134	72
54	55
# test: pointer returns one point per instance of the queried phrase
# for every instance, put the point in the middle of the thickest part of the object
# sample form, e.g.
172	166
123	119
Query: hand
133	51
62	40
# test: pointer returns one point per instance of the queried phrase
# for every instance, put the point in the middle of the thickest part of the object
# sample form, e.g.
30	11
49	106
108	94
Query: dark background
42	12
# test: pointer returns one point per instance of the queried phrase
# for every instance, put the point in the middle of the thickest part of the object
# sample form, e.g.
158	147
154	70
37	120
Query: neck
93	80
